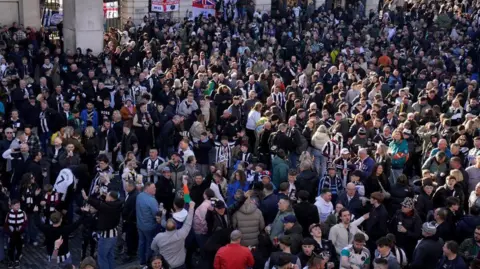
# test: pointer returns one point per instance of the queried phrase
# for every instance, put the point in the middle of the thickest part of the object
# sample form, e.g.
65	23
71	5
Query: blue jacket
366	166
84	117
269	208
232	189
147	209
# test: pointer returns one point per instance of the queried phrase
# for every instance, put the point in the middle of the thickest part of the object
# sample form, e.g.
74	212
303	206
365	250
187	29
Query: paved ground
36	257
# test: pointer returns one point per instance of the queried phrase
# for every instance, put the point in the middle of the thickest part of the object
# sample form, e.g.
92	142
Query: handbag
385	193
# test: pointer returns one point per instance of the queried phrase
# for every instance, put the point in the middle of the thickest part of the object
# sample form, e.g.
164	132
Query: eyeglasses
9	132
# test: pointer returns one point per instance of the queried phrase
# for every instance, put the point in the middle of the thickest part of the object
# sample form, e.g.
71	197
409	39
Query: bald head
236	236
351	189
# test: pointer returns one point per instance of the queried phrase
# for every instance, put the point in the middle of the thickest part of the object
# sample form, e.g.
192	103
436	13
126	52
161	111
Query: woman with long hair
358	122
377	182
143	123
92	148
238	182
223	99
253	117
290	103
382	158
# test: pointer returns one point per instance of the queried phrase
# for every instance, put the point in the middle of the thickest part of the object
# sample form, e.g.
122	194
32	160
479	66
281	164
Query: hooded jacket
324	208
249	220
296	236
320	138
277	224
279	171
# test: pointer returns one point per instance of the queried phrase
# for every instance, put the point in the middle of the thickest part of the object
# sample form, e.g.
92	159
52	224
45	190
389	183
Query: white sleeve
7	154
216	190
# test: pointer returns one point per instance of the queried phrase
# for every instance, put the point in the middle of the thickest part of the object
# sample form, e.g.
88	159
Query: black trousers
88	240
15	246
131	238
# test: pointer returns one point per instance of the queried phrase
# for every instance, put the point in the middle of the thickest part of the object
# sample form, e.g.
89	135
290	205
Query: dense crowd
302	138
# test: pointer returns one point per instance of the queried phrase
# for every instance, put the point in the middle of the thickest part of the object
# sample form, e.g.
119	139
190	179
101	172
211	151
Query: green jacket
279	171
468	249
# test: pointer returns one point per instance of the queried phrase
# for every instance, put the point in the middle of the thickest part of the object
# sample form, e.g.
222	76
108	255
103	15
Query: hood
180	216
296	229
248	208
278	160
324	205
320	138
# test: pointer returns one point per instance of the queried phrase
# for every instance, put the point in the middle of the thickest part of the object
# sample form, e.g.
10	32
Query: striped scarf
51	201
16	220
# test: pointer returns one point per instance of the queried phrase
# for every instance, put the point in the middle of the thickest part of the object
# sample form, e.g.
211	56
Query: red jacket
233	256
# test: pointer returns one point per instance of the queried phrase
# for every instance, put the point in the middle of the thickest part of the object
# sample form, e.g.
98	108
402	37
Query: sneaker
11	265
16	264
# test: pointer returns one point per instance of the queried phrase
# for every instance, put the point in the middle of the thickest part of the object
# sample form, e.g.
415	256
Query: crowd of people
302	138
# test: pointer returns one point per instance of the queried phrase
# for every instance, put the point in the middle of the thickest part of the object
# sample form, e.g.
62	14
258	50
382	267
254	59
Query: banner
204	7
110	10
164	5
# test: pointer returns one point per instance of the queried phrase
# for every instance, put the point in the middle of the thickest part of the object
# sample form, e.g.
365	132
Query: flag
186	194
204	7
165	5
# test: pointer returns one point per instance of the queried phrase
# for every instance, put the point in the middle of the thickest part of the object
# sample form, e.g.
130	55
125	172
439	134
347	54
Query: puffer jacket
249	220
320	138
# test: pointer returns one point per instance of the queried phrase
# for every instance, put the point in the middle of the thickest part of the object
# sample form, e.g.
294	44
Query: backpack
271	142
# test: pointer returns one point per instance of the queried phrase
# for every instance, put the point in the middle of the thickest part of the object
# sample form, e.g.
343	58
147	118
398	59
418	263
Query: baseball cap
344	151
289	219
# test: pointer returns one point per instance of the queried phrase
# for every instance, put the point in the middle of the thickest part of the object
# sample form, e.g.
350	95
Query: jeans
44	140
32	231
318	161
293	157
106	252
2	245
394	175
145	239
201	240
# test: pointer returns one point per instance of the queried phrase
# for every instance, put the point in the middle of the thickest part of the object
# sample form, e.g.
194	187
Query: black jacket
295	234
108	213
376	225
164	193
111	137
398	193
196	191
53	233
427	253
307	214
413	225
423	204
308	181
129	212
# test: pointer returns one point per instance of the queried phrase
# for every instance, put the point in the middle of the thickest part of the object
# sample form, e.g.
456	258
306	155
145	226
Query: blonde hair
89	131
457	174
